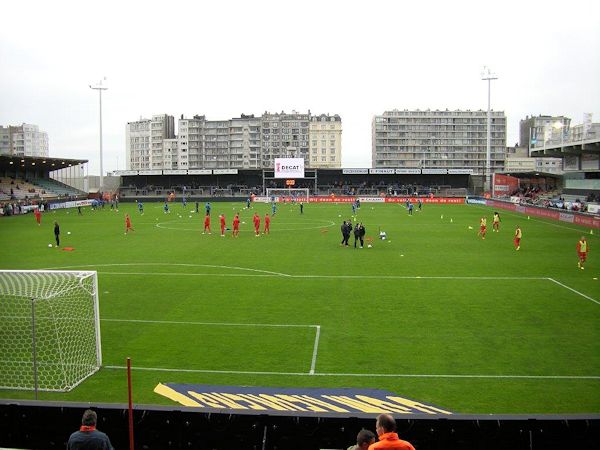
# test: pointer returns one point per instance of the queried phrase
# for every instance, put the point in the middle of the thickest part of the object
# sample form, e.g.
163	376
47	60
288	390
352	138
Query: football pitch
434	313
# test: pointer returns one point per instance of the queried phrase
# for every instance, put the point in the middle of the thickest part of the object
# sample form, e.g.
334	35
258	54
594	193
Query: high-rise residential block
325	142
144	142
23	140
245	142
285	136
534	132
438	140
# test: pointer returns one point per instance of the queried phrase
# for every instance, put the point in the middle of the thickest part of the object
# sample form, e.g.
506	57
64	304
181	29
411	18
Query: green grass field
434	313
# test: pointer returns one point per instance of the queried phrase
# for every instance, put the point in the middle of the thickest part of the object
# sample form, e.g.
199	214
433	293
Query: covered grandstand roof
46	164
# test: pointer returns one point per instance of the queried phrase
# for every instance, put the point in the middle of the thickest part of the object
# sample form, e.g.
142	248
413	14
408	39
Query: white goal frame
288	193
46	339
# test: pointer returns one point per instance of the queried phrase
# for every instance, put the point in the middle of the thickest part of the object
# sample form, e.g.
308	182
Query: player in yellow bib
482	227
496	222
582	250
518	235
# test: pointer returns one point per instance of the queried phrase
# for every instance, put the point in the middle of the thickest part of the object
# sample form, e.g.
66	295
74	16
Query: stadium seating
19	189
48	426
56	188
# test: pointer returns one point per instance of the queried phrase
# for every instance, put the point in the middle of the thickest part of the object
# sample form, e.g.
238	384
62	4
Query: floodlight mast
99	87
489	76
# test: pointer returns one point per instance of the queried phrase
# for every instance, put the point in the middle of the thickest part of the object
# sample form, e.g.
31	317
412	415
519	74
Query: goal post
288	194
49	329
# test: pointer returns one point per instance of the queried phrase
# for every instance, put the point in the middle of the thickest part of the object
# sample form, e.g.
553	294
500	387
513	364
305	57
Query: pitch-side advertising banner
299	401
350	199
71	204
289	168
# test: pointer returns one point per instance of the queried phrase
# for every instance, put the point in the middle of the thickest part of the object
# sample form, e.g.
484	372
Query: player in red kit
256	220
207	224
236	225
267	224
222	217
128	226
38	216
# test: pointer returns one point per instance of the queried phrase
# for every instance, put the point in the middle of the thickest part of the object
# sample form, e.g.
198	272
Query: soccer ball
50	245
369	246
68	232
190	217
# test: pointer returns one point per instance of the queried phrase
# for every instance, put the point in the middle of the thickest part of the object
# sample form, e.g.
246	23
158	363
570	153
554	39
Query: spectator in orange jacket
388	438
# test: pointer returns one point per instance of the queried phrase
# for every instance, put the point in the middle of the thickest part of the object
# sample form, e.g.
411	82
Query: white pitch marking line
573	290
315	350
267	273
366	375
192	274
177	264
174	322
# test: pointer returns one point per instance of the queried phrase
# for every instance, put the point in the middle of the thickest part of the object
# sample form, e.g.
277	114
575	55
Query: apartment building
534	132
144	142
438	140
190	141
519	161
284	136
583	131
245	142
23	140
325	133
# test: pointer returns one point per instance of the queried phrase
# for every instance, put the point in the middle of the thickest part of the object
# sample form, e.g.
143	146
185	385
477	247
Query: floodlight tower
98	87
487	75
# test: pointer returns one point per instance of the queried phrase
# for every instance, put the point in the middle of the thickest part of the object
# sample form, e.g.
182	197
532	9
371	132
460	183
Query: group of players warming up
582	245
235	226
496	229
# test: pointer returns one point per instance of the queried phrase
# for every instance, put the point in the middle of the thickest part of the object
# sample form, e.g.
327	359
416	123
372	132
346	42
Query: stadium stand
28	424
57	188
19	189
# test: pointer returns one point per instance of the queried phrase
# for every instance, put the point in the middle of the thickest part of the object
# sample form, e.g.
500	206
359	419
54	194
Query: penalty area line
573	290
221	324
364	375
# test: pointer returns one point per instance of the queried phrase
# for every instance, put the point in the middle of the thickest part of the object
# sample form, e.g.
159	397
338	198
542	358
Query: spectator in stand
364	439
388	438
88	437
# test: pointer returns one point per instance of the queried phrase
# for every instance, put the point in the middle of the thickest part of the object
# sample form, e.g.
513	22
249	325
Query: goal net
49	329
287	195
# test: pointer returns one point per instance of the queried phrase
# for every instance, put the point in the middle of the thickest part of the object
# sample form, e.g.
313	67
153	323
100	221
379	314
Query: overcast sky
224	58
